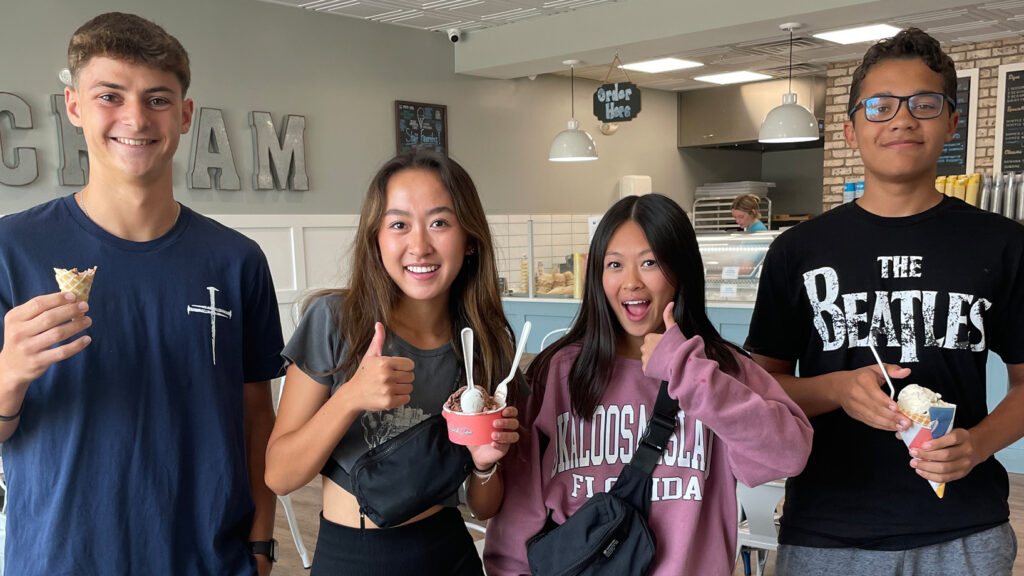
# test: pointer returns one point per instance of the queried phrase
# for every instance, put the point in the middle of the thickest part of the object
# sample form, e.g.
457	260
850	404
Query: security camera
454	35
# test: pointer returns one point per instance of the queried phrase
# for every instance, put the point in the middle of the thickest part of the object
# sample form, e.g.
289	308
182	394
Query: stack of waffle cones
74	281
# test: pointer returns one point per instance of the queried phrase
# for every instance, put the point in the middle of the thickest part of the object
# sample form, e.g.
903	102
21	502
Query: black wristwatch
266	548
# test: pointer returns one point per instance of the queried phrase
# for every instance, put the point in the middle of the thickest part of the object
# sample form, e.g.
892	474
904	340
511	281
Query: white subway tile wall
556	237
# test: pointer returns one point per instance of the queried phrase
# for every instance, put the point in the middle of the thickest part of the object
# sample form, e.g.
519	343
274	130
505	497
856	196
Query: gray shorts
987	553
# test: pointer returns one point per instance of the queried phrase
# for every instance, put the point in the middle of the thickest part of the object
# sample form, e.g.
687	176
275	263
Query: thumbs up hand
381	382
651	340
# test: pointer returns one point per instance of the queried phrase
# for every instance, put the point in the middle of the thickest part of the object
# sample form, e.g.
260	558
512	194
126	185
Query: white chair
555	332
289	511
479	544
759	531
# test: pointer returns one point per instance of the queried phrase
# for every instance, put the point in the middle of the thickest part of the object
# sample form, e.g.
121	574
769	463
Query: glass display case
732	264
541	256
546	266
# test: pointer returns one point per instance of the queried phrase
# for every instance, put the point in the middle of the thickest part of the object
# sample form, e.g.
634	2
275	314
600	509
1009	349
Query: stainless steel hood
730	116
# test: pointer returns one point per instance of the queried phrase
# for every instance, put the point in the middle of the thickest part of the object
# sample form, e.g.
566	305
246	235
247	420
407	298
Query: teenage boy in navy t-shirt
135	425
934	284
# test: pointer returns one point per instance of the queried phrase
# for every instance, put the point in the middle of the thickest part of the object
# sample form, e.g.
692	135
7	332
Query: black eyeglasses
923	106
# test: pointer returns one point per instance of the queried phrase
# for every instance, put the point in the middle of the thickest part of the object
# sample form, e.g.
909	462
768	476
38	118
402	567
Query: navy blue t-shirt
129	457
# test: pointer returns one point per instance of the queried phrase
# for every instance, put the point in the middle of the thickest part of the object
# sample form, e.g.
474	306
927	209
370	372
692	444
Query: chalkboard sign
1010	119
420	126
618	102
953	159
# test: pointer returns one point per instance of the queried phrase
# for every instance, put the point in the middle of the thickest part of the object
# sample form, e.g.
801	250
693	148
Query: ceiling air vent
781	46
798	70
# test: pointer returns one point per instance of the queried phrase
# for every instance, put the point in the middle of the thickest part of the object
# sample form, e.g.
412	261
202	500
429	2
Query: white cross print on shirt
214	312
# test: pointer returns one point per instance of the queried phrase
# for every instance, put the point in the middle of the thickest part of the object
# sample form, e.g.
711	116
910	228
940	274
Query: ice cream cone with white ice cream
930	416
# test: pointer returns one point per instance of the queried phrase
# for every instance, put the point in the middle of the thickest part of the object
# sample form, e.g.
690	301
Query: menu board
1010	119
954	158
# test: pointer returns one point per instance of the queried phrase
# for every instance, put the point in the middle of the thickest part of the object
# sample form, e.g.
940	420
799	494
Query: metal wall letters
25	169
74	155
280	162
211	154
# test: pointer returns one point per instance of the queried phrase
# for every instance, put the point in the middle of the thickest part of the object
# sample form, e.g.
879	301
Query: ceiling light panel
733	77
860	34
661	65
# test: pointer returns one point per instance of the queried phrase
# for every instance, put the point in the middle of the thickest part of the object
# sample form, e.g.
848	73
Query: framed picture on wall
421	126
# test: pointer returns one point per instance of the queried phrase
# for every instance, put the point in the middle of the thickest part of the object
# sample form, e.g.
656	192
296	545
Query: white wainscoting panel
306	252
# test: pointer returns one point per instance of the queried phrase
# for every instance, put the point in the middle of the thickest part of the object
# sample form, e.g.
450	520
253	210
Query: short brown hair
907	44
129	38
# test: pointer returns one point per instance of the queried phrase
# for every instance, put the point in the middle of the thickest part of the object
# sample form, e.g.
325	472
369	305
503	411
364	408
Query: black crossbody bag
406	475
609	535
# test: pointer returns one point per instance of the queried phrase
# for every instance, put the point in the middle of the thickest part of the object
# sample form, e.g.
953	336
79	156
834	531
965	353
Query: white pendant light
789	122
572	144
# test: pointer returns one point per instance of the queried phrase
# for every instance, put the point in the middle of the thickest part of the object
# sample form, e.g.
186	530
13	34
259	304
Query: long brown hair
473	299
595	331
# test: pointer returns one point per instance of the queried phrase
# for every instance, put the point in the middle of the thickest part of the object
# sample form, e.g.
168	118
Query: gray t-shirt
316	348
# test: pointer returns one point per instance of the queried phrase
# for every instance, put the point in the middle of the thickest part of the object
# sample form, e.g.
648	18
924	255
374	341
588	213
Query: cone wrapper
74	281
938	422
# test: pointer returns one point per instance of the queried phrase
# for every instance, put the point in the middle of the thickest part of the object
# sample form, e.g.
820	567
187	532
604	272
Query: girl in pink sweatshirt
595	388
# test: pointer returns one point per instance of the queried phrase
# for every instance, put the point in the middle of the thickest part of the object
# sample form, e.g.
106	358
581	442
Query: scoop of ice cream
916	399
454	402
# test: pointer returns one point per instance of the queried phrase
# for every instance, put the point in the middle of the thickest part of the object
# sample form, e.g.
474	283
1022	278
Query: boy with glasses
933	284
134	425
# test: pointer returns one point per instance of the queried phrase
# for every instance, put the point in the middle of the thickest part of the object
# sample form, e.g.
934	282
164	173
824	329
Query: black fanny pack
406	475
609	534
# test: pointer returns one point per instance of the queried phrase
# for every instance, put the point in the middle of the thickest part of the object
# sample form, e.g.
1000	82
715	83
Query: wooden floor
306	502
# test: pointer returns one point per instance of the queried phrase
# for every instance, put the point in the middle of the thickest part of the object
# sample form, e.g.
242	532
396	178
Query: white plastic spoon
892	391
471	399
502	390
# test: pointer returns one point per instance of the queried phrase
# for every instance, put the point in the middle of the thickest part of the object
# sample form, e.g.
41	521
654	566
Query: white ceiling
442	14
516	38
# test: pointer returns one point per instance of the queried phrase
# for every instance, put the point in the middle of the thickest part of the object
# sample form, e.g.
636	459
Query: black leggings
437	545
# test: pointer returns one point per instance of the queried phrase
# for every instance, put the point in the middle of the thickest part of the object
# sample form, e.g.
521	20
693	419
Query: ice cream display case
732	264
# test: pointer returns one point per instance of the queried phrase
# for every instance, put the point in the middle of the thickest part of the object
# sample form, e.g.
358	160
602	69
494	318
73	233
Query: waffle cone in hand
74	281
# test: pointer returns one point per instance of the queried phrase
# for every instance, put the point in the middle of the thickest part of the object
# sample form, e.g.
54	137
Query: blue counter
550	317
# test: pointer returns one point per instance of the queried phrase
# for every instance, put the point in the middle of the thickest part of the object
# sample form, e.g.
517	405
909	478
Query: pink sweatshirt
743	428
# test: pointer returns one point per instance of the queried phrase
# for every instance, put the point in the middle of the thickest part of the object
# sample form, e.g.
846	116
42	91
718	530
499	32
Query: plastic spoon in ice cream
471	399
892	391
502	390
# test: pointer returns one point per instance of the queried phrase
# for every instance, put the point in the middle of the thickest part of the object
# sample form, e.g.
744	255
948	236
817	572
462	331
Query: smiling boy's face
132	116
904	149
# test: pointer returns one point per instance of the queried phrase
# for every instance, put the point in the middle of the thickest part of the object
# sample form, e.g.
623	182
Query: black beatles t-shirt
940	289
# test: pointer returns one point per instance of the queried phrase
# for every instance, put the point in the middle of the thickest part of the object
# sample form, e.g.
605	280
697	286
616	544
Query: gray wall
709	165
343	75
797	175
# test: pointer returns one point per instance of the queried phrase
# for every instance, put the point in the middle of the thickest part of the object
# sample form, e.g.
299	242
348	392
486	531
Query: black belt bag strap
406	475
609	535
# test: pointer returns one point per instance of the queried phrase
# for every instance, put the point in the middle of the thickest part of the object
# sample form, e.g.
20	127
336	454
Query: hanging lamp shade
789	121
572	144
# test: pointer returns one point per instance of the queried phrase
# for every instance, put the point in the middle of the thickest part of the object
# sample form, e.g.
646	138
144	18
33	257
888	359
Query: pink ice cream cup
470	429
